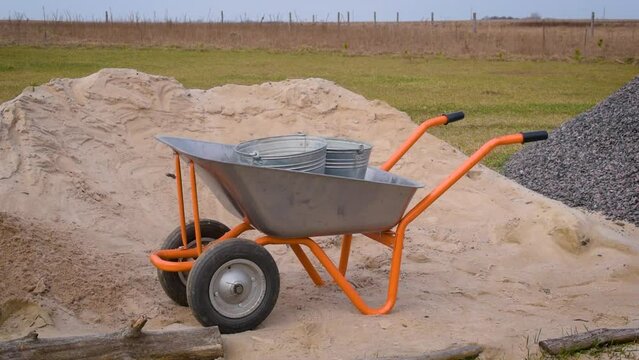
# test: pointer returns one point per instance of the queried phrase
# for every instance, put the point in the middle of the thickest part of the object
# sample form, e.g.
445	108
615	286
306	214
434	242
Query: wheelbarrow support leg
345	253
180	198
196	211
308	266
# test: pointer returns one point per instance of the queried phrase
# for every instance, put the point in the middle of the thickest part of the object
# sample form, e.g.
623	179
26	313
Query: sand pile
591	161
85	196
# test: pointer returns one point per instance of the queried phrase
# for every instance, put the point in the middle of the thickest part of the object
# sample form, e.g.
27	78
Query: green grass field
498	97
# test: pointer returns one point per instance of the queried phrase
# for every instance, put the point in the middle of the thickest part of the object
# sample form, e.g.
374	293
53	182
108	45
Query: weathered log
470	351
128	343
589	339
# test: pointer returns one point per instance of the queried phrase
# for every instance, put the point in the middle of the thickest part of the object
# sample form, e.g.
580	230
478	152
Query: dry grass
612	40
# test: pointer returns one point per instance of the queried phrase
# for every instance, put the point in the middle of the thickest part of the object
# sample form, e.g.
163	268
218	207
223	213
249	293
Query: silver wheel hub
237	288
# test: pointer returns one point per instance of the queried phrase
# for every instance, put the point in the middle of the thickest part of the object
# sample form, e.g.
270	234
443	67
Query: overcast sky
360	10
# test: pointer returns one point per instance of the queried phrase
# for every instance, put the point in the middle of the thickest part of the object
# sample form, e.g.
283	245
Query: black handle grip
455	116
531	136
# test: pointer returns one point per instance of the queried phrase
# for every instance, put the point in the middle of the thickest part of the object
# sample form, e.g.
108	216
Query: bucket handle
256	157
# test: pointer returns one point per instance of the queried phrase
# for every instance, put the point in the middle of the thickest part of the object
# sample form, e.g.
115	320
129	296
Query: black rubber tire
199	280
170	281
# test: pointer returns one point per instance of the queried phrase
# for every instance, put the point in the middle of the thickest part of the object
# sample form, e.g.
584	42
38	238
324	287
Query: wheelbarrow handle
531	136
443	119
455	116
472	160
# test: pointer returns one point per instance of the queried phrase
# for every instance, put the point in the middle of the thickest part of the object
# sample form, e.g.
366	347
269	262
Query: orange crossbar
386	238
160	259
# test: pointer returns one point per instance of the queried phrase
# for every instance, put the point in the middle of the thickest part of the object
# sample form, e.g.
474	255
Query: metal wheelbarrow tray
233	283
288	204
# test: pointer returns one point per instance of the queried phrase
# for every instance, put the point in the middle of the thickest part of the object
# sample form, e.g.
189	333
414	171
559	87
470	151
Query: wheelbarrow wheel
174	283
234	285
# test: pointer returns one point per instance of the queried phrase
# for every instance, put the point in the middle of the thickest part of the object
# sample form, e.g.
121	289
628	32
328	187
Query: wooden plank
470	351
587	340
128	343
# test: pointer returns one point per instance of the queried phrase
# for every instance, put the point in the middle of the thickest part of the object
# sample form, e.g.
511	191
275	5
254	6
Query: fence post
474	22
432	18
222	16
543	38
348	17
290	20
375	17
313	18
592	25
585	40
397	17
106	17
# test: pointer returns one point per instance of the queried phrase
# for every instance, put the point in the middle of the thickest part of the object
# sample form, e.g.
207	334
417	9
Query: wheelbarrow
233	282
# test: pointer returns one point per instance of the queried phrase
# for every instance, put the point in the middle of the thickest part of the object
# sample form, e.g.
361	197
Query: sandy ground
84	197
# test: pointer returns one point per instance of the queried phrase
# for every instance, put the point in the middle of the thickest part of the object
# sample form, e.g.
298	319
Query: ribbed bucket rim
361	146
320	142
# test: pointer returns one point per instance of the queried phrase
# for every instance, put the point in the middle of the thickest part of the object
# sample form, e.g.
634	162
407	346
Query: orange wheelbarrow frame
393	239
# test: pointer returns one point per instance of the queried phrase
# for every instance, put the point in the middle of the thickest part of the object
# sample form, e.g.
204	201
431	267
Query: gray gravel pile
591	161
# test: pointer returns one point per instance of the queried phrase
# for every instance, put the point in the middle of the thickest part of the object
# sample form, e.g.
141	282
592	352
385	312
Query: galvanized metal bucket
291	152
347	158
